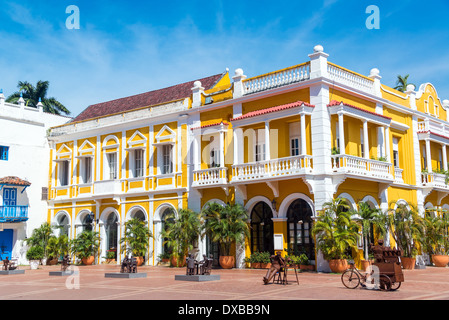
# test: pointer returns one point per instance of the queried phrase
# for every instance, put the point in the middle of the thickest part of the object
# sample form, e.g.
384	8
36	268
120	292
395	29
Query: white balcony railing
362	167
107	187
209	177
433	126
277	79
350	78
281	167
398	175
435	180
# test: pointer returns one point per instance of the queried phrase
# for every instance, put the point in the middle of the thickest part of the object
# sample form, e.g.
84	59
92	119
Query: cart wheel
395	286
385	282
350	279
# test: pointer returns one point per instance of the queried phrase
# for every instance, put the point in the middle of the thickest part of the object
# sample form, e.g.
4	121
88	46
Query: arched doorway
63	224
299	226
262	228
87	222
139	214
111	227
167	215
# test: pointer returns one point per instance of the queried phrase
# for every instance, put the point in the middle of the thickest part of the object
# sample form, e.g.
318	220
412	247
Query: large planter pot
227	262
255	265
308	267
265	265
34	264
365	264
440	260
52	262
338	265
88	261
175	262
408	263
139	261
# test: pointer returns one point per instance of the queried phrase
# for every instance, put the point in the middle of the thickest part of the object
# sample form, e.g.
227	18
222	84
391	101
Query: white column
428	156
365	139
444	155
267	140
222	164
196	152
318	62
341	132
197	91
239	89
236	146
303	135
387	143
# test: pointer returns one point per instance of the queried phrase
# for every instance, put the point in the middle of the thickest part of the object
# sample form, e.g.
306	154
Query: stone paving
234	285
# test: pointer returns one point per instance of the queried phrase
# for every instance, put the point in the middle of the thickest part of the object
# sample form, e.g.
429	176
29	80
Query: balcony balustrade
272	169
210	177
13	213
368	168
435	180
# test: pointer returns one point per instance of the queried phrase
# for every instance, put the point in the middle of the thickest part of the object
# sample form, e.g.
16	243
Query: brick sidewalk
235	284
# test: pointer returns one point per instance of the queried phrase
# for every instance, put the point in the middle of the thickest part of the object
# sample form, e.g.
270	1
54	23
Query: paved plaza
238	285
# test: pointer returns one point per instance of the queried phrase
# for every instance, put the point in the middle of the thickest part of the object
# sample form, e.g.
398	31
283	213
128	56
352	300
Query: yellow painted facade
265	142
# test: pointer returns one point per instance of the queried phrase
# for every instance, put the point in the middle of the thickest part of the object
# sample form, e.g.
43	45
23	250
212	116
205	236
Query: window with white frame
295	138
395	152
64	172
86	169
111	165
167	159
259	147
138	163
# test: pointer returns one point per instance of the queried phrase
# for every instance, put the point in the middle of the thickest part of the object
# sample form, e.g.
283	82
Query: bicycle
352	278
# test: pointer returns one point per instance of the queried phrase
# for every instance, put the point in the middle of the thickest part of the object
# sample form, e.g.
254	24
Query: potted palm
86	246
34	255
436	241
226	225
136	239
53	250
40	237
336	234
181	234
408	230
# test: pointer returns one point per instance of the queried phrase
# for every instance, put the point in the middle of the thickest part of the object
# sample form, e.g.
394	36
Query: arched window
262	228
87	222
140	215
111	234
299	226
167	215
63	223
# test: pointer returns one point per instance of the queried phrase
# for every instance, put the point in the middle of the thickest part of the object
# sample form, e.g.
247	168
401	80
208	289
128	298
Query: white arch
350	199
288	201
371	199
160	210
218	201
56	218
445	206
103	237
81	215
429	205
133	210
403	202
255	200
110	137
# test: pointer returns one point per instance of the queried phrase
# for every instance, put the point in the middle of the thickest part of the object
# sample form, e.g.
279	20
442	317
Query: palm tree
402	83
181	234
41	236
367	218
407	228
35	94
136	238
335	230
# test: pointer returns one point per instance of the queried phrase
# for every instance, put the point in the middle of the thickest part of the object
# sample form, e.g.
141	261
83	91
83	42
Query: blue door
9	196
6	243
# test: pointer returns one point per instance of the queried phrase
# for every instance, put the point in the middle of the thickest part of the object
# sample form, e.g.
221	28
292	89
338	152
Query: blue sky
128	47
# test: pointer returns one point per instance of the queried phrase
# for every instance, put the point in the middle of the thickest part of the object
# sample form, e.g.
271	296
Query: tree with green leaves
40	237
136	238
369	218
182	232
226	225
402	83
335	230
35	94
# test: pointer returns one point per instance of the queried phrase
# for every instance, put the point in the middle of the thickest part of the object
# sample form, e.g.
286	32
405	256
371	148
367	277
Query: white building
24	165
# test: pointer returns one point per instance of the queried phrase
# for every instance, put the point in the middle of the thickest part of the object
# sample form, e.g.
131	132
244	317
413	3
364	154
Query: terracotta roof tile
335	103
176	92
273	109
14	181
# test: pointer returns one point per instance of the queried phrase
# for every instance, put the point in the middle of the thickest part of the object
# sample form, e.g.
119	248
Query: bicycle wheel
385	282
350	279
395	286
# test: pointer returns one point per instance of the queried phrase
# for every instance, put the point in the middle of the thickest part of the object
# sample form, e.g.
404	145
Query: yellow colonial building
282	144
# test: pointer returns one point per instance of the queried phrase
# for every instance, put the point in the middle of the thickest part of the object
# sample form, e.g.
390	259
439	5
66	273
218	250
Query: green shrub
35	253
